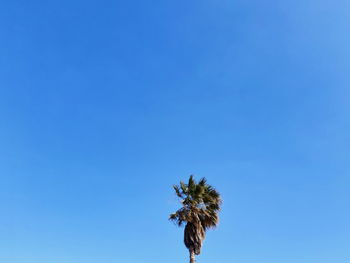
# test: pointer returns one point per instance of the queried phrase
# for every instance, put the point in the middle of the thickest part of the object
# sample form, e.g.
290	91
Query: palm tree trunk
192	256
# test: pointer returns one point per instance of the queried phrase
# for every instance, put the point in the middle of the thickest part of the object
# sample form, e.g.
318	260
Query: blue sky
104	105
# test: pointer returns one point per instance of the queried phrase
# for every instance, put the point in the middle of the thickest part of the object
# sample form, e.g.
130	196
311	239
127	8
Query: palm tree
200	206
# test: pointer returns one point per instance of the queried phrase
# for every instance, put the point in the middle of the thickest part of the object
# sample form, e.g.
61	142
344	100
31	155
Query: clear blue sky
105	104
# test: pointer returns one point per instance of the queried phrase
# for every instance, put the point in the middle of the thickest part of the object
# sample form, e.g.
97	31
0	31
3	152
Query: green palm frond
200	207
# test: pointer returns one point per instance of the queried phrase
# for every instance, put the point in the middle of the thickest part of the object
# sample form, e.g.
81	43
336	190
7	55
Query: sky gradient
104	105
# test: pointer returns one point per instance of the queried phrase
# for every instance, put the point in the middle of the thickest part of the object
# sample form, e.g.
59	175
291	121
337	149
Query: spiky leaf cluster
199	211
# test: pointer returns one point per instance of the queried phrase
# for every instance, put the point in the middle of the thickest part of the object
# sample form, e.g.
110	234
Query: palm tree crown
200	206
